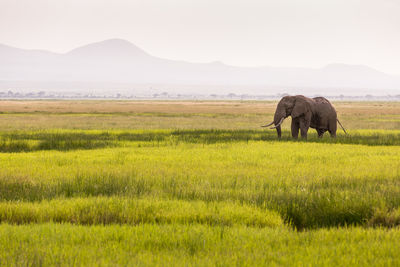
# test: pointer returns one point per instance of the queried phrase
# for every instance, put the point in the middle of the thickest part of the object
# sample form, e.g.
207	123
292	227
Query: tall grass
137	211
311	184
64	140
195	184
194	245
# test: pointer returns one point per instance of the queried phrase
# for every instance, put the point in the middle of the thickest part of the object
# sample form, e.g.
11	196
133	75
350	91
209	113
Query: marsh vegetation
121	182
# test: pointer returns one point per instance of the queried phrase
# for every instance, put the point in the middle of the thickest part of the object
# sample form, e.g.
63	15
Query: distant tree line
9	94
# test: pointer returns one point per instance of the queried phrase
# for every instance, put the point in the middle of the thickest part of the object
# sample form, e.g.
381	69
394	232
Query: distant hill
119	61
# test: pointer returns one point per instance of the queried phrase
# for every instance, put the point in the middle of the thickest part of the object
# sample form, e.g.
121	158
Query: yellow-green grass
311	184
117	210
63	140
195	183
194	245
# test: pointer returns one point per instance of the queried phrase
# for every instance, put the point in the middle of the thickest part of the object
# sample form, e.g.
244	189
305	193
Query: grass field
234	115
195	183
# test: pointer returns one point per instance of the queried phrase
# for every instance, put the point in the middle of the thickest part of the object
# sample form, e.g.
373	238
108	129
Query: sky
287	33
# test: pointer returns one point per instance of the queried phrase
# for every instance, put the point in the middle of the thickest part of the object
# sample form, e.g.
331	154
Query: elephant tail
341	126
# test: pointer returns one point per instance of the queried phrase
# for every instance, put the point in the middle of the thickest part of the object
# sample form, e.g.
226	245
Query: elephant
317	113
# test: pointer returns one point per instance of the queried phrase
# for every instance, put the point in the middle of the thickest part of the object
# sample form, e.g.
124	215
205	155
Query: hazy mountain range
118	61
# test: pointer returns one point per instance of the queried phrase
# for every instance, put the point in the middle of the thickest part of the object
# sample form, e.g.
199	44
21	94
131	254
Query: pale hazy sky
308	33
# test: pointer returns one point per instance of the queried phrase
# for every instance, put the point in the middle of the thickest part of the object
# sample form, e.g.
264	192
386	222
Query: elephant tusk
267	124
280	122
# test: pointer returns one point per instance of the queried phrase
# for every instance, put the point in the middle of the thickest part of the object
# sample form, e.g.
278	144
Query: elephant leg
304	125
279	131
295	128
320	133
332	128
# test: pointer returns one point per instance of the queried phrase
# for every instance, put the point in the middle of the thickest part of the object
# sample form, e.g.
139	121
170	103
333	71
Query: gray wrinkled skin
317	113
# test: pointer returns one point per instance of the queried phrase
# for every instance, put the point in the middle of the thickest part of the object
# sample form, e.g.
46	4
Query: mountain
119	61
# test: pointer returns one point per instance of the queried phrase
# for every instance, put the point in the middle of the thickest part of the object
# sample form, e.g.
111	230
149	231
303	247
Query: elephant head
294	106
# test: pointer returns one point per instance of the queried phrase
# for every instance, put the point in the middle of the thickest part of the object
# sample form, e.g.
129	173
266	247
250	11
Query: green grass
194	245
318	183
136	211
148	186
64	140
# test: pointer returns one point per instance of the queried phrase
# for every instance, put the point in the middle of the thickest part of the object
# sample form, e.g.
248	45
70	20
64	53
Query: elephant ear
300	107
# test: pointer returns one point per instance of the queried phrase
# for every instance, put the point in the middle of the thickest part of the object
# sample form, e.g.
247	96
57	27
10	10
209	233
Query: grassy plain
195	245
233	115
195	183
